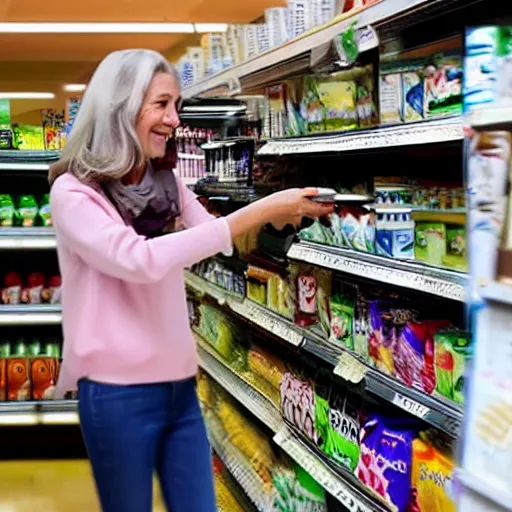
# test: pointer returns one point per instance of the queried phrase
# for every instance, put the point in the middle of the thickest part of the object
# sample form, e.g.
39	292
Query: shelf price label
350	368
266	320
411	406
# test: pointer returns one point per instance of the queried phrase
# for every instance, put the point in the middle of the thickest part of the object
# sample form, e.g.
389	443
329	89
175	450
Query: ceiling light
96	28
214	108
205	28
75	87
26	95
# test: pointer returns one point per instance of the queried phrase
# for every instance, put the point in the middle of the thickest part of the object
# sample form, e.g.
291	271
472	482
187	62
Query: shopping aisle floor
51	486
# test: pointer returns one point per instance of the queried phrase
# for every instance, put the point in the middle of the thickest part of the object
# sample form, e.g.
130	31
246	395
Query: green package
337	425
296	491
453	350
45	213
430	244
323	299
7	210
342	306
456	256
27	210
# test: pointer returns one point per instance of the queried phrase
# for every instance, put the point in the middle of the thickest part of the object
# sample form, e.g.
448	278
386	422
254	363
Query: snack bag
385	464
11	293
413	92
32	292
323	299
453	350
27	210
306	288
266	365
7	210
298	404
431	478
387	319
413	355
337	424
456	255
296	490
342	314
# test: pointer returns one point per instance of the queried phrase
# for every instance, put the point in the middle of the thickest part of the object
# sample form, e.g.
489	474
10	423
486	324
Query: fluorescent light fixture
205	28
75	87
96	28
110	28
214	108
26	95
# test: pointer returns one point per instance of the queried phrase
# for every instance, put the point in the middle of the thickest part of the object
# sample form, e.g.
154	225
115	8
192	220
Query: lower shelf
345	491
48	412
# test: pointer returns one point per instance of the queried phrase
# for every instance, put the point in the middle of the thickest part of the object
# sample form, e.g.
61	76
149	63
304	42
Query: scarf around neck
150	206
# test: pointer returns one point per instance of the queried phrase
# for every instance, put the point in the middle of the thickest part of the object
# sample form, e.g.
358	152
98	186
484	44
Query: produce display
25	211
29	369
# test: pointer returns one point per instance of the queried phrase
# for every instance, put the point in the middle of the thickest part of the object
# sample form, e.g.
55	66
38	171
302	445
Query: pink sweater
125	315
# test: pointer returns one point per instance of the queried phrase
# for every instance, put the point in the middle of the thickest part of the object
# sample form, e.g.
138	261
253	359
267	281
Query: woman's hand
288	206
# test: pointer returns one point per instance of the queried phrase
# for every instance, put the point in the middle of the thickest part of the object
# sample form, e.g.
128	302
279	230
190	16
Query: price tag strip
269	321
438	282
334	484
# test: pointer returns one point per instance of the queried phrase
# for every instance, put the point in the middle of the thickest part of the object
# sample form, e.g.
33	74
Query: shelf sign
350	369
411	406
266	320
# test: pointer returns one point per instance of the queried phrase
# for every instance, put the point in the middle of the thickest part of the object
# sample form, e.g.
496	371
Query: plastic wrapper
266	365
385	464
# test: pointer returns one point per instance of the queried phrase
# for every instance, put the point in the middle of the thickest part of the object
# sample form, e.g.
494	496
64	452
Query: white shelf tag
350	369
411	406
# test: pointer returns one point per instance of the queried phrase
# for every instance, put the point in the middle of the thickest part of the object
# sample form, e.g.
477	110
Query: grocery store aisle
50	486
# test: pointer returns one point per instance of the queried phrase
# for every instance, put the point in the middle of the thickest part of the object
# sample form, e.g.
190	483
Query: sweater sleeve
84	224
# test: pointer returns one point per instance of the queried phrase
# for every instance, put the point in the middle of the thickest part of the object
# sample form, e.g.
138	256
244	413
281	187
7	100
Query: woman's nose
172	118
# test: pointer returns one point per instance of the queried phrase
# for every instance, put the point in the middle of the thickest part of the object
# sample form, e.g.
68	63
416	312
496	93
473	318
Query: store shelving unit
428	132
412	275
31	164
340	485
439	412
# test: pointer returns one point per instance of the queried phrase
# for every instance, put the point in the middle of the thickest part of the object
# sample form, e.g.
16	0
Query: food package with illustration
298	402
337	422
453	352
385	463
342	312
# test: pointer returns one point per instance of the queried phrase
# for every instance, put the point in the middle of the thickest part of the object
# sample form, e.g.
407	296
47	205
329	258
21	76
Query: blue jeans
132	431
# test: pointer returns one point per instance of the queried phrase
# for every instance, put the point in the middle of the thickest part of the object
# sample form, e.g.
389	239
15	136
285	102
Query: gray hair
103	144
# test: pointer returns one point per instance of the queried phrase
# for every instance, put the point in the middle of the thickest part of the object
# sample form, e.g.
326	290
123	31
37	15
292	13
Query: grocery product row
351	443
240	43
33	288
25	211
410	340
29	369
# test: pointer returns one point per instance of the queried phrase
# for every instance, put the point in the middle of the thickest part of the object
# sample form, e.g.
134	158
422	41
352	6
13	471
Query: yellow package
266	365
431	478
226	502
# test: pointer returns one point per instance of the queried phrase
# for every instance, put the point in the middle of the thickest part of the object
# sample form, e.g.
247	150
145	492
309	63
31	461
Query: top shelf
375	14
27	160
426	132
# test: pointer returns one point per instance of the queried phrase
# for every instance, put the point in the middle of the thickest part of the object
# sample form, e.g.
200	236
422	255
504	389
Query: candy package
387	319
431	479
298	403
266	364
413	354
337	423
385	464
306	286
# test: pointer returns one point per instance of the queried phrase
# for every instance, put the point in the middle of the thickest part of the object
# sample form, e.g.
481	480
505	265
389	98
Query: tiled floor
50	486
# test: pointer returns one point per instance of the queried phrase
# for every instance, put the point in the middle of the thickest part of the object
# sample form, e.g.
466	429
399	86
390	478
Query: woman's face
158	116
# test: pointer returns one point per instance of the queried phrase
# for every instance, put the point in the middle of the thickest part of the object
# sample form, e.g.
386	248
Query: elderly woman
128	344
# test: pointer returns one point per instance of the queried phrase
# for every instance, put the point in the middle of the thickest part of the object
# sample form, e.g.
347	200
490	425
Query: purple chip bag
385	463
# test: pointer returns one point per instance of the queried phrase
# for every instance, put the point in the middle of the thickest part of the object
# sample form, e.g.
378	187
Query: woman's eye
163	104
